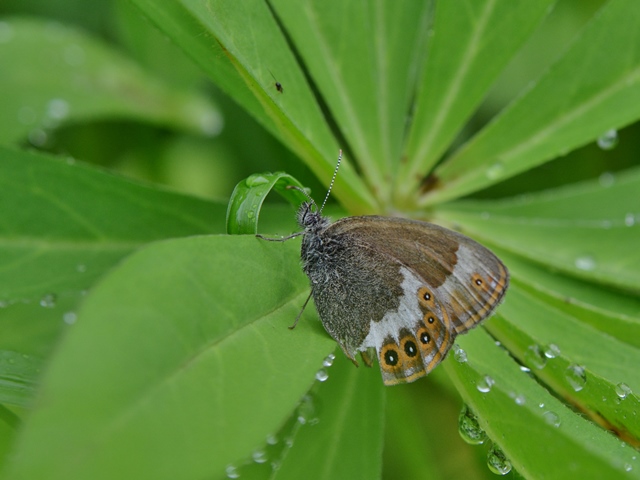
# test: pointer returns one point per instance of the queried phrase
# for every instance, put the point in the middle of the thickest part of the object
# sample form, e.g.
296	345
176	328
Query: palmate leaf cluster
140	340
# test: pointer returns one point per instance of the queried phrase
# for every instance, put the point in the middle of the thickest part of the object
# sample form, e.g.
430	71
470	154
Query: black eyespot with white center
431	319
478	281
410	348
427	296
391	358
425	338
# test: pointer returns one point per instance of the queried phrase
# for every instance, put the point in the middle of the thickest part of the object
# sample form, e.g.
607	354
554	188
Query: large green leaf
472	42
180	364
244	66
84	80
351	50
540	436
593	88
590	230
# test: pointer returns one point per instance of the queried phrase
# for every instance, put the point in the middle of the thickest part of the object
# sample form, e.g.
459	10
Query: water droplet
328	361
259	456
606	179
576	376
629	219
469	427
70	318
552	418
232	472
586	263
628	467
307	411
525	369
485	384
57	109
37	137
541	404
322	375
6	32
534	356
495	171
251	214
552	351
272	439
520	399
81	268
49	300
623	390
459	354
210	123
256	180
608	140
497	461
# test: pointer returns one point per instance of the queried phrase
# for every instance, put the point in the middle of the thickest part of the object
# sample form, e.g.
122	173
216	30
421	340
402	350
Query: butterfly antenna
333	179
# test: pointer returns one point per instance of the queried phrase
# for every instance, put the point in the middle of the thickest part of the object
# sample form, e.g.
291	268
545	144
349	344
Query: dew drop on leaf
608	140
552	351
259	456
495	171
585	262
552	418
469	427
534	357
232	472
459	354
623	390
256	180
322	375
497	461
328	361
49	300
606	179
576	377
485	384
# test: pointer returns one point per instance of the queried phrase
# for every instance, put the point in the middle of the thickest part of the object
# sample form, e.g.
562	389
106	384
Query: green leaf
85	80
560	351
246	200
245	65
471	43
17	378
350	411
64	224
512	415
593	88
181	363
582	230
613	313
368	90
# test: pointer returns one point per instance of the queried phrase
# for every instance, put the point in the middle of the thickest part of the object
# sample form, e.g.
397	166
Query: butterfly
397	289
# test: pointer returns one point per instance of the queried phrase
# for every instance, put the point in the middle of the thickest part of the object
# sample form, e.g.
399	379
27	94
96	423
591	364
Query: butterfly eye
410	348
425	297
391	357
479	282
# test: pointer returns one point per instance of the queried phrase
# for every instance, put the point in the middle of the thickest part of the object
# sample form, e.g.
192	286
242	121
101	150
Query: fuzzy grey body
352	285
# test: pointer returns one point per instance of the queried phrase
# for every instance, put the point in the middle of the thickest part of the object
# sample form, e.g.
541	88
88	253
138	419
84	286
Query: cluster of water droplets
277	446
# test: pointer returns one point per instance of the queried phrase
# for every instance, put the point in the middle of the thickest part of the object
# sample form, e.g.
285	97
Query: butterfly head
310	218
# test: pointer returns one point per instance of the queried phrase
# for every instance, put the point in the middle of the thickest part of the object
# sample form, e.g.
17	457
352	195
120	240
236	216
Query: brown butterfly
403	288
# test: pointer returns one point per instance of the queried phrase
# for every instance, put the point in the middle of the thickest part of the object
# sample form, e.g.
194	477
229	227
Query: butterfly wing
404	287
